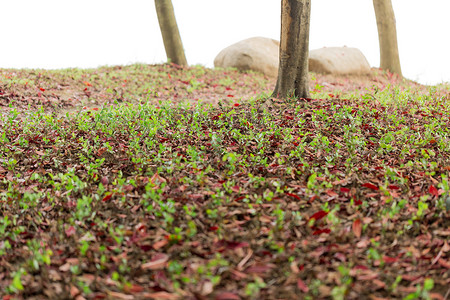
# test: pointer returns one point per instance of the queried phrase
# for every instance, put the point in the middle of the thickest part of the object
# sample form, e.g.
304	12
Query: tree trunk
170	33
387	36
294	47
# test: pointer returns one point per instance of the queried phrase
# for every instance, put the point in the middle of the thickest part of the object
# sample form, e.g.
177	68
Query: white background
89	33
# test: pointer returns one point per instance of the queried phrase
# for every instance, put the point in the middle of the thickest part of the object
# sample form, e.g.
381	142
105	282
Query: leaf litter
165	187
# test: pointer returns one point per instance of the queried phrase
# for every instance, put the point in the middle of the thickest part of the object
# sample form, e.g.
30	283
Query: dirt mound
73	89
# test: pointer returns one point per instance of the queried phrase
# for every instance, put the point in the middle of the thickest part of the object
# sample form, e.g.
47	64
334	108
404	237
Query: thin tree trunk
387	36
170	32
294	47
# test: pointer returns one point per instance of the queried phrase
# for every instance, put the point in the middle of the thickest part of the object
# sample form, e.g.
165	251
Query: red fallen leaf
345	190
390	260
87	83
231	96
358	202
158	262
95	108
185	82
360	267
314	197
393	187
370	186
146	247
43	90
239	198
213	228
320	231
70	231
302	286
107	198
236	104
332	193
228	88
433	190
357	228
318	215
289	118
294	196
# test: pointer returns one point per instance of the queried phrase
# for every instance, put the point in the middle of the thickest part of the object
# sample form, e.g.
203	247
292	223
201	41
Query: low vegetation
155	182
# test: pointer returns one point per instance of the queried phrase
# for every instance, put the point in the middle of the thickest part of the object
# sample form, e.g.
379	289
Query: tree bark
170	32
387	36
294	47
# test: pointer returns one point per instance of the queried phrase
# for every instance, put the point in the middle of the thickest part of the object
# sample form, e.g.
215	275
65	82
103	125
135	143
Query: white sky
89	33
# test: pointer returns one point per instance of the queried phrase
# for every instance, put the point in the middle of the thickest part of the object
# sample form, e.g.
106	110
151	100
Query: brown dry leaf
294	268
363	244
74	291
357	228
39	152
158	262
116	295
227	296
133	289
446	247
158	245
302	286
373	297
160	296
157	179
65	267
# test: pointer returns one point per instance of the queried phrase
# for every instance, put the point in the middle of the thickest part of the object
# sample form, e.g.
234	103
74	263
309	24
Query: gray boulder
257	54
338	61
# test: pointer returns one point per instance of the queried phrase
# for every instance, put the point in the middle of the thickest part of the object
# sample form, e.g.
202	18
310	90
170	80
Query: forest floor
162	182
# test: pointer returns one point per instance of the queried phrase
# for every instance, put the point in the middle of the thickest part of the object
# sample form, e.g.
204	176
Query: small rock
256	54
338	61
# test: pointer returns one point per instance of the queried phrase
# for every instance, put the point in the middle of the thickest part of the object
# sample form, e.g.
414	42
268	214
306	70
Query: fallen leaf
70	231
318	215
158	245
107	198
370	186
433	190
116	295
39	152
227	296
157	179
158	262
357	228
160	296
302	286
